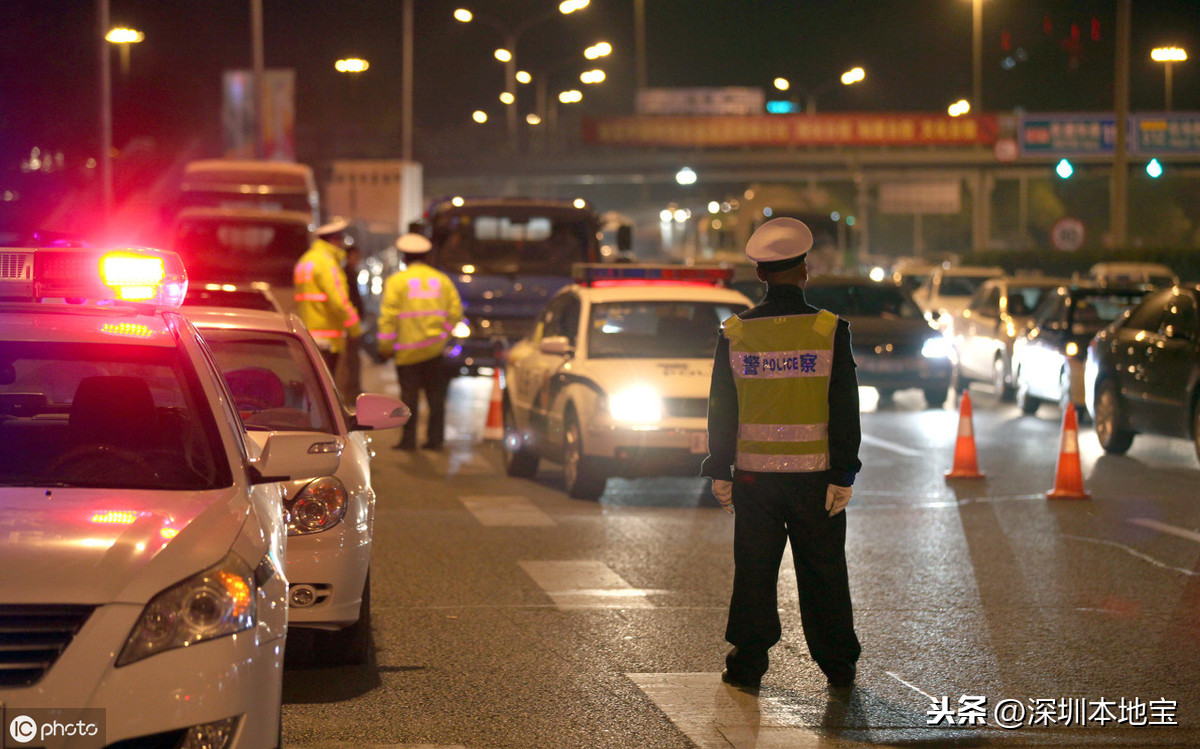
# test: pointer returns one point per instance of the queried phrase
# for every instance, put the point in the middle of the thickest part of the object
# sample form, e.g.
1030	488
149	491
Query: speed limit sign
1067	234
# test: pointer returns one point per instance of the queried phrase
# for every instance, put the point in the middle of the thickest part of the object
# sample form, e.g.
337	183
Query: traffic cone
494	429
1068	478
966	464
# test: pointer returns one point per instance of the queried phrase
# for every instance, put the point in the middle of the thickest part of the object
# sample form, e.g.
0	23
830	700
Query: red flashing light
79	275
1006	41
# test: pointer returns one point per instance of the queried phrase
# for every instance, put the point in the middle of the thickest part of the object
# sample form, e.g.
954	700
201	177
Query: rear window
105	416
273	382
867	300
657	330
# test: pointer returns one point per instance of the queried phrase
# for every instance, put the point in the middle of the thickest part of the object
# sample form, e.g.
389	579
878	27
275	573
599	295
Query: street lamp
123	37
351	65
849	78
959	108
549	111
512	35
1168	56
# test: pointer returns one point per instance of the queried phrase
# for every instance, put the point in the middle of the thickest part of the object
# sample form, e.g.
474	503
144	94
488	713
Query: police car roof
649	293
240	318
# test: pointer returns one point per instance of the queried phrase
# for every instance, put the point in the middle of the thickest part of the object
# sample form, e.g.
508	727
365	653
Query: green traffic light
1154	169
1064	169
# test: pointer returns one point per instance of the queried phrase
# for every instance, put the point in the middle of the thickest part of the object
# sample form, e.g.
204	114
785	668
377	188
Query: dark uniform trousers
770	509
432	377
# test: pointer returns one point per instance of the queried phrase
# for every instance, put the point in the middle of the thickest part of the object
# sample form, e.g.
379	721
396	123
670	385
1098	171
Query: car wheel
519	461
1004	391
580	474
936	397
1027	403
1112	437
351	646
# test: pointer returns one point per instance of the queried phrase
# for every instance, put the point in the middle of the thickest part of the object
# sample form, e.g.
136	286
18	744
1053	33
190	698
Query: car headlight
636	404
935	348
319	506
461	329
1072	348
214	603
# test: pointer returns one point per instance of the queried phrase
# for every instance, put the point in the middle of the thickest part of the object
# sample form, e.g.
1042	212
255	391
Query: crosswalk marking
586	584
714	715
499	510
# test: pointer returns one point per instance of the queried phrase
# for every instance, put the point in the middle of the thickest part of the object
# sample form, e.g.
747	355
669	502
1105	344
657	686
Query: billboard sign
1177	132
1063	134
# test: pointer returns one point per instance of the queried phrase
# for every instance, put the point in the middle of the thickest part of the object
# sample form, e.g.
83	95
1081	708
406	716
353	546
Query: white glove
836	498
723	491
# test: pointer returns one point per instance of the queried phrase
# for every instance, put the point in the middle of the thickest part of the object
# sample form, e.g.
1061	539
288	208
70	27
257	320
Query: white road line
896	448
1134	552
498	510
586	584
1165	528
916	689
714	715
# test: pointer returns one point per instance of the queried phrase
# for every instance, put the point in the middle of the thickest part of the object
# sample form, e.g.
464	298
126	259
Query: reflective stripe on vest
313	296
326	333
781	368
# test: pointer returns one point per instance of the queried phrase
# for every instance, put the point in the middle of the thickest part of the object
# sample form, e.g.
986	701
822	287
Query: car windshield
864	300
657	329
274	384
1023	300
505	245
105	416
1088	314
960	285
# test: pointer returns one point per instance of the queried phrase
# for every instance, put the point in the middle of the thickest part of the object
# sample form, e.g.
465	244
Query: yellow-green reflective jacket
781	368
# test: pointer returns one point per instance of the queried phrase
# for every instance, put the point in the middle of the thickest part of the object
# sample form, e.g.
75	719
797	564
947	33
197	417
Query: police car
142	575
280	383
614	378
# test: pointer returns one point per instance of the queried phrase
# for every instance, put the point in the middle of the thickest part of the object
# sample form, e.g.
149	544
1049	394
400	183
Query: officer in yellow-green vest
420	308
322	293
783	439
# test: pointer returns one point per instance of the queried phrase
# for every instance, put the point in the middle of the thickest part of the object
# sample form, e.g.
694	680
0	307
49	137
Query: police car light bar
130	275
591	274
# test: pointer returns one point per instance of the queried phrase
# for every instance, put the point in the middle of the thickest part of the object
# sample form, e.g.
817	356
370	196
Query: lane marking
1165	528
714	715
510	511
899	449
587	584
1134	552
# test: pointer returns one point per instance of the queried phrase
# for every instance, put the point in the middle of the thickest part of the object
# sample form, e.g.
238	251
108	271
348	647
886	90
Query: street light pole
106	134
977	54
260	77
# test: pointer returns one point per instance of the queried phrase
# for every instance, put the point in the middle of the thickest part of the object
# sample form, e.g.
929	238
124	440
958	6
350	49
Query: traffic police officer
783	436
420	308
322	293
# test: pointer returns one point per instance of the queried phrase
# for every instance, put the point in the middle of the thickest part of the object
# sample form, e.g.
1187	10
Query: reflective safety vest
781	368
323	298
420	308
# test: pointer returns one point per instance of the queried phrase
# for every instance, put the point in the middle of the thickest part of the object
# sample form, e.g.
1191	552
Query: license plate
884	365
699	442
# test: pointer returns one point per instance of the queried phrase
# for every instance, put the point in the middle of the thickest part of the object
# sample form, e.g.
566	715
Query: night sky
917	55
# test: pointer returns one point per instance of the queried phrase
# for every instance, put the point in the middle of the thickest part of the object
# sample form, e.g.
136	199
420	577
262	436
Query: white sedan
280	384
142	583
614	379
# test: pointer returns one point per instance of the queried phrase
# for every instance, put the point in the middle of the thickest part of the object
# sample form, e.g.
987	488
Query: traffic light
1154	169
1064	169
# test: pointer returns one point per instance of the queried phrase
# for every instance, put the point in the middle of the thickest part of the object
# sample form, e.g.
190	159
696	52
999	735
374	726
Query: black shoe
841	677
741	681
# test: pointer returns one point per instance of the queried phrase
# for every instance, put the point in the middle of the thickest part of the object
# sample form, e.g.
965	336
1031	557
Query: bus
507	257
250	185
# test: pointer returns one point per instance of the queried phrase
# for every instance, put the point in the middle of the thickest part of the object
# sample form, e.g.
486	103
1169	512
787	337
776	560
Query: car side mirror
556	345
288	456
375	411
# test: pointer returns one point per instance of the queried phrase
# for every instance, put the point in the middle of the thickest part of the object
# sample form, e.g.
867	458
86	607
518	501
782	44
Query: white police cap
779	239
413	244
336	225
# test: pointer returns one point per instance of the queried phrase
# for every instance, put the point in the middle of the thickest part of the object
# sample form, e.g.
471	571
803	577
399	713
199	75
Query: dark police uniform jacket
845	433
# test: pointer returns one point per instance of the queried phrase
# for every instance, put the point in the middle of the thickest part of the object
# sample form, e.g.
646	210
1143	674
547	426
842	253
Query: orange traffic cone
966	464
494	429
1068	478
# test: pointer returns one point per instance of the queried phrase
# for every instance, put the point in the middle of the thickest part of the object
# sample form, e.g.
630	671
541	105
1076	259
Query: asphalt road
509	615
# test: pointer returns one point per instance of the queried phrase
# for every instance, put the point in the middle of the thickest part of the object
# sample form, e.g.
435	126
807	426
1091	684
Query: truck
507	257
